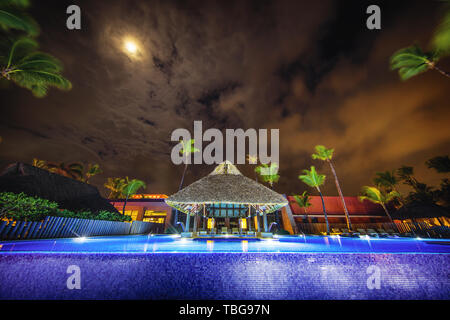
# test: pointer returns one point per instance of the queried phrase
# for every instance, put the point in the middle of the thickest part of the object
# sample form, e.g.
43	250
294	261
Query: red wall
362	212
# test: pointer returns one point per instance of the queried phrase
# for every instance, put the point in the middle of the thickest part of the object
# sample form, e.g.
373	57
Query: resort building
359	212
227	202
148	208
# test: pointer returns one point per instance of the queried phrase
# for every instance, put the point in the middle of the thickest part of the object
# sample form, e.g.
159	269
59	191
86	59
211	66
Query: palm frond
372	194
411	61
322	153
40	81
312	178
19	49
441	38
40	61
15	19
133	186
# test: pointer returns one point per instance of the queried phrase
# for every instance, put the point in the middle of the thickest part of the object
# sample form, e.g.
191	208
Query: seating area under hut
226	203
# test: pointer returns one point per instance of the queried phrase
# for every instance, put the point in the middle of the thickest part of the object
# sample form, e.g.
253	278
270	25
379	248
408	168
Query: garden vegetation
21	207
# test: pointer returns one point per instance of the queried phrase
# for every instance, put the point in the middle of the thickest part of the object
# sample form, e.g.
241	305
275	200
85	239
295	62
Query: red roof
333	205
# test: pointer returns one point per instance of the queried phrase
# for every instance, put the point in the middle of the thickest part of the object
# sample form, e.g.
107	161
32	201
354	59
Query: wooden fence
59	227
415	228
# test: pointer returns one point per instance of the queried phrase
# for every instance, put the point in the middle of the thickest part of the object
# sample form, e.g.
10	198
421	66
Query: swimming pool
168	267
282	244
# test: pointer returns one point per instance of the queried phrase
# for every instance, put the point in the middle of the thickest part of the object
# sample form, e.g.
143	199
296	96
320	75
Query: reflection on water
282	244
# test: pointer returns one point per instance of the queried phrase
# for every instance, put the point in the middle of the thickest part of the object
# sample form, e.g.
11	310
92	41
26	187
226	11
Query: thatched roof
226	185
68	193
420	210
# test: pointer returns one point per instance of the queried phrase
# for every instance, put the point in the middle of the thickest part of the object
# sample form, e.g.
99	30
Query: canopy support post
249	218
265	220
257	220
188	216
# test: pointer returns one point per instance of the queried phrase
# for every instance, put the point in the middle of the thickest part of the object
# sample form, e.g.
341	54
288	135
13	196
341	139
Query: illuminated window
132	213
154	220
243	223
211	223
154	216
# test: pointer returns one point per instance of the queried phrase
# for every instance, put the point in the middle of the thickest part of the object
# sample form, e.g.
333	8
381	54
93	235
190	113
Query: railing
415	228
59	227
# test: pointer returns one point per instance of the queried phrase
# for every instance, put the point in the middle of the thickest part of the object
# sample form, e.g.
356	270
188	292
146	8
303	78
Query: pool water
169	267
282	244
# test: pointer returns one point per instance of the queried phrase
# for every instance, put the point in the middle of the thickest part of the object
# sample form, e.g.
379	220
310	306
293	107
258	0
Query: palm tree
13	17
253	159
405	173
412	61
313	179
324	154
42	164
116	186
92	170
72	170
441	38
303	201
187	147
440	163
388	180
268	173
131	188
21	63
377	196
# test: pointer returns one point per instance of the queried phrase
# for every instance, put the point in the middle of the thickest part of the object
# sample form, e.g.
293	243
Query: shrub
21	207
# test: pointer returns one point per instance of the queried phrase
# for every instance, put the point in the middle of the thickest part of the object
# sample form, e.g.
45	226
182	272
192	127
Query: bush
20	207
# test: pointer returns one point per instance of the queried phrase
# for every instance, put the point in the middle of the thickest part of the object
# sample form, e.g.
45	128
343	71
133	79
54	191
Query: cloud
309	68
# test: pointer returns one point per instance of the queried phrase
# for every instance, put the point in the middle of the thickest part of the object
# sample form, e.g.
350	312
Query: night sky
310	68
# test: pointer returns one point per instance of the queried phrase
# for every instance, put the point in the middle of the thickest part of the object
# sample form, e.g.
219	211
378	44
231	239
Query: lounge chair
251	233
392	233
362	232
224	230
203	233
382	233
373	233
235	231
347	233
335	231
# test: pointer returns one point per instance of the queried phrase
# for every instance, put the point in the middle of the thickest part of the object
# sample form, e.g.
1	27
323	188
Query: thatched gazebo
226	194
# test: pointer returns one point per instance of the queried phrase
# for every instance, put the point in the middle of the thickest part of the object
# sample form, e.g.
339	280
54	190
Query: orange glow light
149	196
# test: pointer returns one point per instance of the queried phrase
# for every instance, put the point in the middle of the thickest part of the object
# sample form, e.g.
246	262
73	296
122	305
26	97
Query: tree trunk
324	211
347	216
306	215
387	212
444	73
182	177
125	204
175	219
277	215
